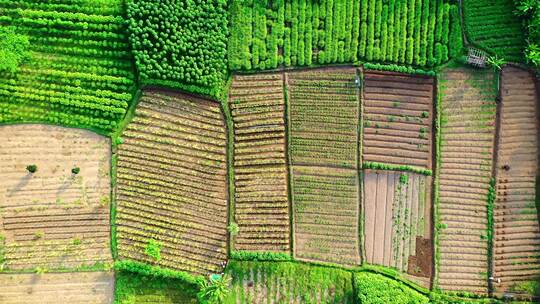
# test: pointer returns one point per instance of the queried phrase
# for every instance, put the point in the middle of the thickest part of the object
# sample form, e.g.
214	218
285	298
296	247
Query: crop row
266	34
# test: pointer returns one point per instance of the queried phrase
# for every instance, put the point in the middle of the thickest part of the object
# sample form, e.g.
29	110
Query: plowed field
467	135
261	206
54	218
171	183
517	230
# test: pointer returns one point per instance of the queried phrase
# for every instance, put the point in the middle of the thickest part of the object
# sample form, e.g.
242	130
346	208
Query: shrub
13	49
214	290
76	170
375	288
233	229
32	168
153	250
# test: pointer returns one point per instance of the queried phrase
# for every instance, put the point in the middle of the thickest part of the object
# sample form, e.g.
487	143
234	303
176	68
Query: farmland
397	119
467	139
53	218
493	25
80	71
260	164
516	233
324	114
76	288
174	145
397	226
307	32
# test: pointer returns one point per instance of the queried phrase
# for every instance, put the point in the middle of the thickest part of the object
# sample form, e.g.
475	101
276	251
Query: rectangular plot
465	93
324	110
397	230
167	202
517	229
260	148
324	233
394	103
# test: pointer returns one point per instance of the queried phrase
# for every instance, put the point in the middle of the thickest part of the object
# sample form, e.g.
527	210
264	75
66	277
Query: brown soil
171	183
53	288
421	264
54	218
261	202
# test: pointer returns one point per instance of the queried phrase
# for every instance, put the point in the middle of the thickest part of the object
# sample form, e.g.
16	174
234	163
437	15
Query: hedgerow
374	288
381	166
398	68
156	271
267	34
180	44
259	256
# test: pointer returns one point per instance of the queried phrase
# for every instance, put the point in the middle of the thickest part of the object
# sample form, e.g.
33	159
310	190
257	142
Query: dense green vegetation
493	26
259	256
380	166
530	10
266	34
180	44
132	288
80	68
13	49
375	288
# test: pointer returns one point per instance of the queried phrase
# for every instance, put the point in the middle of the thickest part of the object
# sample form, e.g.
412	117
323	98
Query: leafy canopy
13	49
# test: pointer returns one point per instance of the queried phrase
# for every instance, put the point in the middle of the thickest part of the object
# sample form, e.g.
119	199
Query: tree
13	49
214	290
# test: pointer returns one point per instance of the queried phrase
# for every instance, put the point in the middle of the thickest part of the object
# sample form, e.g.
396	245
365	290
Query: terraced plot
294	283
171	183
397	228
261	204
397	119
324	117
467	139
53	218
53	288
517	231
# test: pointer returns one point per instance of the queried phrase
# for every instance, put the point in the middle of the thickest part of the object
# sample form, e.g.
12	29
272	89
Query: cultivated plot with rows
467	139
397	228
517	231
323	147
397	117
171	183
54	288
261	206
53	218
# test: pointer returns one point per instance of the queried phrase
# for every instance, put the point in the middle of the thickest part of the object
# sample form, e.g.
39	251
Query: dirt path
257	103
54	218
517	230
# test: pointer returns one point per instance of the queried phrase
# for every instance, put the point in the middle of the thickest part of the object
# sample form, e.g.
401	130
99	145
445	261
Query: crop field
80	70
517	231
53	288
285	282
323	123
397	119
467	139
397	228
493	25
53	218
261	204
171	184
266	34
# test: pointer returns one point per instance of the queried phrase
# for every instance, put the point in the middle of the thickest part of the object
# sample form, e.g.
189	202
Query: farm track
171	183
465	173
397	119
324	117
397	211
257	103
54	219
53	288
517	230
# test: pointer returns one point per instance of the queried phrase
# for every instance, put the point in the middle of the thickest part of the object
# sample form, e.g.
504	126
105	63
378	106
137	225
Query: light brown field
397	117
56	288
171	183
397	212
517	231
54	219
257	103
467	134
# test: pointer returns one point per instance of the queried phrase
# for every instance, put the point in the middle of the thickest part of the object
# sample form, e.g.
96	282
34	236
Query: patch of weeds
39	235
422	134
425	114
32	168
396	104
76	241
76	170
153	250
233	229
104	201
403	179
